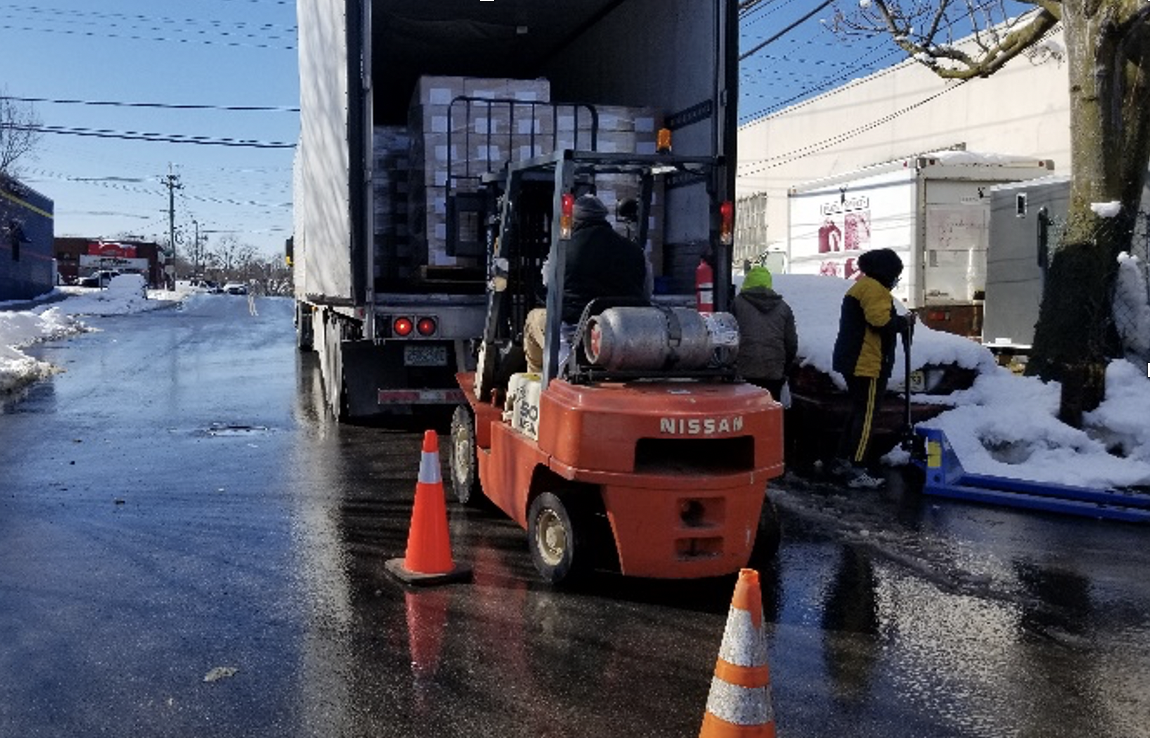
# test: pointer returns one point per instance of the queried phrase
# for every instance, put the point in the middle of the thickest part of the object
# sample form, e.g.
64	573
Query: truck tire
464	464
304	340
768	537
556	538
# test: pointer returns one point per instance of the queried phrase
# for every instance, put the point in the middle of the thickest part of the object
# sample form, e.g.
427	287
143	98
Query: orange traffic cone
739	704
428	558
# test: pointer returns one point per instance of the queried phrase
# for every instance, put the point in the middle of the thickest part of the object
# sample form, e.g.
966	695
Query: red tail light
567	217
402	326
426	326
727	223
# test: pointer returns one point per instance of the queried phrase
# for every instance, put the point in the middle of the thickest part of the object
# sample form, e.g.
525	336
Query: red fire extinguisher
705	287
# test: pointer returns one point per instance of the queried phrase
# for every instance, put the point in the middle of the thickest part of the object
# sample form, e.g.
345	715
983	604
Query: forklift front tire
557	548
768	537
464	467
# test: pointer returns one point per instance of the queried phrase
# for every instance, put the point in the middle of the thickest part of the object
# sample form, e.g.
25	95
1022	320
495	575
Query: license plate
917	382
416	355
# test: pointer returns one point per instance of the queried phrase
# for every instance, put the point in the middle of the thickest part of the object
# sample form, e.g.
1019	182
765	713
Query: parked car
99	280
236	288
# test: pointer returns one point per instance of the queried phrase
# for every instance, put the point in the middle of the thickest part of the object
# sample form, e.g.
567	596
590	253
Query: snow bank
816	301
1004	425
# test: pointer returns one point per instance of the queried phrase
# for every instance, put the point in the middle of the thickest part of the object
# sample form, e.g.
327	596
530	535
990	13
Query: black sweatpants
866	395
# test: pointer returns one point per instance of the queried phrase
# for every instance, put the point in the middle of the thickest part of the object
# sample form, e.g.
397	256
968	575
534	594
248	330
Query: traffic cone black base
395	567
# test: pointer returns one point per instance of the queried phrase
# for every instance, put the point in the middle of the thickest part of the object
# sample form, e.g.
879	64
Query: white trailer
927	208
405	107
1026	221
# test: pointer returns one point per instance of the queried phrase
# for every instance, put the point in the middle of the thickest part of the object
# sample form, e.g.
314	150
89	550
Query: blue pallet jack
945	477
931	451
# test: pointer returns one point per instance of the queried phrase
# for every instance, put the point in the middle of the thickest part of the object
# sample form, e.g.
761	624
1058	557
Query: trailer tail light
426	326
663	141
727	223
402	327
567	216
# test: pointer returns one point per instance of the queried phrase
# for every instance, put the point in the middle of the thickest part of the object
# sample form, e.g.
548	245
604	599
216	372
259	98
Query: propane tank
649	338
704	287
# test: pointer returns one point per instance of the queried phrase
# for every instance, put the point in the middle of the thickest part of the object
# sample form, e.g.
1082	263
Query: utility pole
196	249
172	182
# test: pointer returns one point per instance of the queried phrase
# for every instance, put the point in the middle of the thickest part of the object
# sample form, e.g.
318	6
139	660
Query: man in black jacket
864	355
599	263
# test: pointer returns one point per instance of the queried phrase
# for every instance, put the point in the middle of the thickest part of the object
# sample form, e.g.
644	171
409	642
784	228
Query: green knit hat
758	276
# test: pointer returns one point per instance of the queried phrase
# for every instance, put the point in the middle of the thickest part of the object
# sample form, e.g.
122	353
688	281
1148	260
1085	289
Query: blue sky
228	53
212	52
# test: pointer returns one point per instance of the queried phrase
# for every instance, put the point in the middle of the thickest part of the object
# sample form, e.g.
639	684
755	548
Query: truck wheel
464	466
768	537
557	547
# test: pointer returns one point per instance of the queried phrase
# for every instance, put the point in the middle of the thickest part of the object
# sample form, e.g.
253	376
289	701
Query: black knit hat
589	207
883	265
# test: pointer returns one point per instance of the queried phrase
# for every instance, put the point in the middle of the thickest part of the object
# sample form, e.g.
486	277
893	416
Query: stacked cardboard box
460	128
454	142
390	185
620	130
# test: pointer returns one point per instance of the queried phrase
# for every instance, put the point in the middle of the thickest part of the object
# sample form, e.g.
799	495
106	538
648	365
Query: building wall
1023	110
69	248
26	230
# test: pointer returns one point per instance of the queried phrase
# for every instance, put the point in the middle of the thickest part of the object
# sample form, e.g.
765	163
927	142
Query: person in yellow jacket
864	355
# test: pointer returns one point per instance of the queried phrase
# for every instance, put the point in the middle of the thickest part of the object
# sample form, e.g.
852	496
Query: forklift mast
523	231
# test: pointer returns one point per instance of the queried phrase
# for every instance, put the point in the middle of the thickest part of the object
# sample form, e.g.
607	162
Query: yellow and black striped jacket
868	325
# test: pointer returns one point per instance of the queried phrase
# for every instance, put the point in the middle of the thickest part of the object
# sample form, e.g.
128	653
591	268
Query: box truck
406	107
1026	221
929	208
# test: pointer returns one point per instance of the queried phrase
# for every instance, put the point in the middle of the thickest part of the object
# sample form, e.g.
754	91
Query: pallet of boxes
460	128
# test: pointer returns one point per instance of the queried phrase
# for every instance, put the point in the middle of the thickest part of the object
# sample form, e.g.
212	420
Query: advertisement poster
845	232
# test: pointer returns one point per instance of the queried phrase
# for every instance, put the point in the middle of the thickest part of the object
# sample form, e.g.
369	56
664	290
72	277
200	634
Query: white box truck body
929	209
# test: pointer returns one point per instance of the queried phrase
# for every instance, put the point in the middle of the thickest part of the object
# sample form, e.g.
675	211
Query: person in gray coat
768	341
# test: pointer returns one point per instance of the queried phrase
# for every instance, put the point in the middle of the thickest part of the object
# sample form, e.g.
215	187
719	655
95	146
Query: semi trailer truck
406	107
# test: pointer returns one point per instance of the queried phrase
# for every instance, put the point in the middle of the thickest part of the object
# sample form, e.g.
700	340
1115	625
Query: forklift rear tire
464	466
769	536
556	539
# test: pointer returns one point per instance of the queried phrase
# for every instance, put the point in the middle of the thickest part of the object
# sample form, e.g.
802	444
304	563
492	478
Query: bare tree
19	133
1108	50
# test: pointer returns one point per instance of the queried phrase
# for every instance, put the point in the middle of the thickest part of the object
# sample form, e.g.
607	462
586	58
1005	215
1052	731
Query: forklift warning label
700	426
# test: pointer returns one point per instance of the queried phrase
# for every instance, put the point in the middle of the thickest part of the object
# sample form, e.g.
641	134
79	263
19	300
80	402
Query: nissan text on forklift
643	453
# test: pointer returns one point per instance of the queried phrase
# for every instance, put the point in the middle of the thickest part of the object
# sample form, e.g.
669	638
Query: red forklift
643	453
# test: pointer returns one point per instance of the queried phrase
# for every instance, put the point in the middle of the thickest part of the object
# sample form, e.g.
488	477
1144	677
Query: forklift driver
600	263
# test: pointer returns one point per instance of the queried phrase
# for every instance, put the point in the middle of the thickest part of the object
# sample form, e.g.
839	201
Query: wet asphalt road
190	547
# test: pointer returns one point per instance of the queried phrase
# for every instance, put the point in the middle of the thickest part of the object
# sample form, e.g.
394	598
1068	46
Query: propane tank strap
674	335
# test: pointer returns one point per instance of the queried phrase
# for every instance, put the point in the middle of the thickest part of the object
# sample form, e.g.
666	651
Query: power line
134	37
159	137
162	106
764	164
786	30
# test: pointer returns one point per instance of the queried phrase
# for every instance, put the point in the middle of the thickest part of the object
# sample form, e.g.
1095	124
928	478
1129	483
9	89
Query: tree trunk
1109	57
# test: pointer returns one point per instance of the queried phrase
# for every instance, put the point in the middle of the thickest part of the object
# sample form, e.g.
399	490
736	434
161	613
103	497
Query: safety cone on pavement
739	703
428	558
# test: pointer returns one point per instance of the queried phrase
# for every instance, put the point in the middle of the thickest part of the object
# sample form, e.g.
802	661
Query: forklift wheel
464	474
557	547
768	537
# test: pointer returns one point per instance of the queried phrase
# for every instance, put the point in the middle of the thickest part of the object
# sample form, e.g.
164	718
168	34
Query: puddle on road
233	430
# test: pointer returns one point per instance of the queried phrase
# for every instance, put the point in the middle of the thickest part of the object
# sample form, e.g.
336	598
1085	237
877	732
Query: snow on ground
1005	425
57	318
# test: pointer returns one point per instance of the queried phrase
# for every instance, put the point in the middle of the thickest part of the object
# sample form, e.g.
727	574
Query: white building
1022	110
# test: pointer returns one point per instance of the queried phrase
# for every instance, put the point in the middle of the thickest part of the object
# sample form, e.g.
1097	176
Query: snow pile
126	293
1131	310
1004	425
816	301
22	329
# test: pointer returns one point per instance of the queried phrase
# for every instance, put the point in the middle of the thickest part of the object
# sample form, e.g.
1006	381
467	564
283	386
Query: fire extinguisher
705	287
